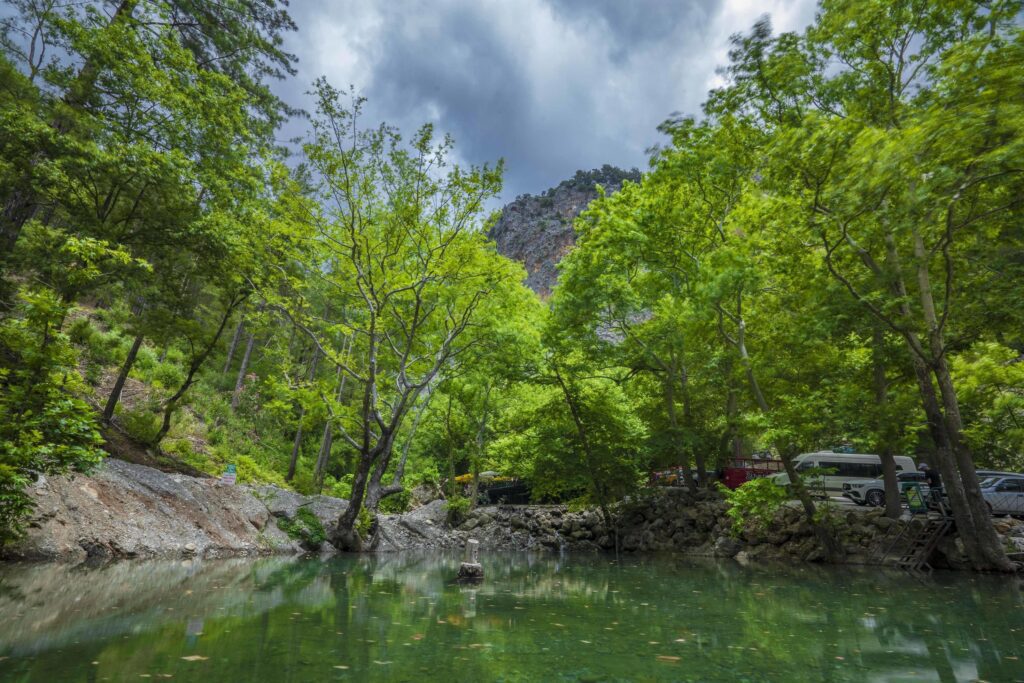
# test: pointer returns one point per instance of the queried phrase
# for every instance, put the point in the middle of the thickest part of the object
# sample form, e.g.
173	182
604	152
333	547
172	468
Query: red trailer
739	471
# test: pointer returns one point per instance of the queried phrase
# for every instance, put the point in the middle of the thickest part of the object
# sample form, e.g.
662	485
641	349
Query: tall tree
903	169
406	266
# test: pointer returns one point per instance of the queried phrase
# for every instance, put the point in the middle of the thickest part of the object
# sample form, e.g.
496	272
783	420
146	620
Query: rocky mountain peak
537	231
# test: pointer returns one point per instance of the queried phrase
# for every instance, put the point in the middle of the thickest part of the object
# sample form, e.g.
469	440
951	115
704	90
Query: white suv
872	491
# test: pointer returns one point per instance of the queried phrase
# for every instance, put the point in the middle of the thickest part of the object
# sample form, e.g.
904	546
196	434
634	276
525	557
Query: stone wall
127	510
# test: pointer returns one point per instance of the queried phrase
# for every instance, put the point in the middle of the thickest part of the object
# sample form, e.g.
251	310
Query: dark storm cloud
639	22
551	86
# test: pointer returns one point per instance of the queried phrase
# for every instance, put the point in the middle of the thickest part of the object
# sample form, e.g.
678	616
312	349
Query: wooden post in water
471	569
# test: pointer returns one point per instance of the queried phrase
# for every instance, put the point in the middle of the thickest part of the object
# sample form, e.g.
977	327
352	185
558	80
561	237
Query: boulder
128	510
727	546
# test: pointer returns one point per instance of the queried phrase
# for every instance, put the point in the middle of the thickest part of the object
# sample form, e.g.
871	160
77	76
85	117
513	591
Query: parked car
995	473
872	491
1004	494
839	469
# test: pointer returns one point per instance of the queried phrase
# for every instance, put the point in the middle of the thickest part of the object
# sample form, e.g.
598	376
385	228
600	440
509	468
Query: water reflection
535	617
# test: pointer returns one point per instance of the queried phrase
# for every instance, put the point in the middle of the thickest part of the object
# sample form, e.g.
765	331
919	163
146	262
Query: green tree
405	267
900	162
45	426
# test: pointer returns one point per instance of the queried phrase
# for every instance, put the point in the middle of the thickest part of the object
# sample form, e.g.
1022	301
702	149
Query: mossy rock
305	527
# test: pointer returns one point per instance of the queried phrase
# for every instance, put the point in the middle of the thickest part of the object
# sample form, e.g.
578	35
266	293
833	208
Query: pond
535	618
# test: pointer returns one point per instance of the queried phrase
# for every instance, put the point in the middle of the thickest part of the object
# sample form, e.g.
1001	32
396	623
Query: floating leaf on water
195	658
340	666
377	661
668	658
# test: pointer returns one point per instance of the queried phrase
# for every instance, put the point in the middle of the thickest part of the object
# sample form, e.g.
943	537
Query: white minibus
840	467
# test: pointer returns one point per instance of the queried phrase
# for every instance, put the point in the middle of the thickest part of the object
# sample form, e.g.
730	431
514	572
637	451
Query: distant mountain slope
536	230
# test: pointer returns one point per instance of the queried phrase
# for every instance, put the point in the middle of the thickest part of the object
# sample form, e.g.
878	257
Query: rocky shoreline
125	510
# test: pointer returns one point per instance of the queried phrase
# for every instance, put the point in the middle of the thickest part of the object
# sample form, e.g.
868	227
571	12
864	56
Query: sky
550	86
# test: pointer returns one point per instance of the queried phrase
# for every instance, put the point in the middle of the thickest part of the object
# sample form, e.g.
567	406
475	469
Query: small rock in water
471	571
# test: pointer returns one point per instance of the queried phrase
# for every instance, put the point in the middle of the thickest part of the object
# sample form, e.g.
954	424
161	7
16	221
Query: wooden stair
912	544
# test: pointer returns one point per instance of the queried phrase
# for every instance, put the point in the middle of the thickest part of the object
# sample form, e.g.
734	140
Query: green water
535	618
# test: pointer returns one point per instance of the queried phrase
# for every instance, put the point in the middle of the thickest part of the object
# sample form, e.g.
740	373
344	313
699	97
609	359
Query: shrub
457	507
45	428
754	504
142	424
396	503
305	527
338	488
251	472
81	332
364	523
167	375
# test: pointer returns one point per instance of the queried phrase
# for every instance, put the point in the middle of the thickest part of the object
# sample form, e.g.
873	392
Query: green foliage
782	277
141	423
992	395
364	522
304	527
45	428
754	504
457	506
396	503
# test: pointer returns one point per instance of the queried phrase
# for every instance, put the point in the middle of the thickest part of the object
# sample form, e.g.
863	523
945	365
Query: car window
988	482
859	470
1011	485
806	465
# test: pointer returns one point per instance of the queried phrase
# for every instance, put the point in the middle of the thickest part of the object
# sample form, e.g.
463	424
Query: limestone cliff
537	231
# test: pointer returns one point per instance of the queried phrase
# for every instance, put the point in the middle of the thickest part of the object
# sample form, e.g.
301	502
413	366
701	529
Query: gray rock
127	510
727	546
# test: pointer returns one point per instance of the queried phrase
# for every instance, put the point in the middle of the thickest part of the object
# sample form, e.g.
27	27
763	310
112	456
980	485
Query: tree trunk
886	440
233	345
122	377
989	546
346	536
698	453
682	455
323	458
400	470
197	362
297	445
374	489
991	554
376	493
951	482
236	397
